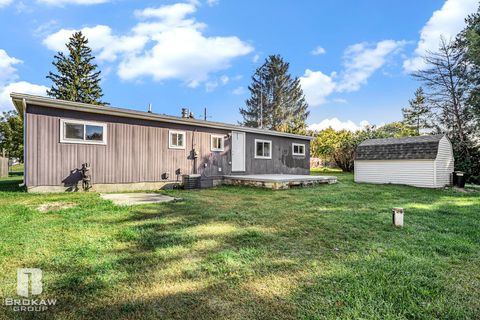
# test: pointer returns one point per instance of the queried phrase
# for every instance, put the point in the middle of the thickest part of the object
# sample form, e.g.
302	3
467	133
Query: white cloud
100	39
255	58
318	51
362	60
9	83
7	71
213	84
20	87
317	86
336	124
212	3
170	14
65	2
4	3
167	44
448	21
239	91
181	51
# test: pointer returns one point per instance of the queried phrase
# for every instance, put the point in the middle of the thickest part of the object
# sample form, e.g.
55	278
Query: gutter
128	113
24	106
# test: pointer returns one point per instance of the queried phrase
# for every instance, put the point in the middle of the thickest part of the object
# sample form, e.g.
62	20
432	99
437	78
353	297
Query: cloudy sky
353	57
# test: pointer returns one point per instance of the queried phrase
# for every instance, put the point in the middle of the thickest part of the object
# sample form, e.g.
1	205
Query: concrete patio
277	181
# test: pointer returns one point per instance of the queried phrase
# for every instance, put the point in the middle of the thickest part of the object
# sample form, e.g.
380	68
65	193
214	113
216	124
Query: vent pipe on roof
150	107
184	113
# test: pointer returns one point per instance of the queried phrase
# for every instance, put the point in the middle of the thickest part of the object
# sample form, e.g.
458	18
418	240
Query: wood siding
418	173
444	163
137	151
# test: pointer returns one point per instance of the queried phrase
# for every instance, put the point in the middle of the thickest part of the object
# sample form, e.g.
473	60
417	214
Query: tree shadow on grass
11	185
188	261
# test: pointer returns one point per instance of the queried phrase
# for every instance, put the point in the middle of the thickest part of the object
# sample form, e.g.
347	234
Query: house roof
20	101
408	148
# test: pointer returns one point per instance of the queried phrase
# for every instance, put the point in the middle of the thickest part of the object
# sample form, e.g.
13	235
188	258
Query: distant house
128	149
425	161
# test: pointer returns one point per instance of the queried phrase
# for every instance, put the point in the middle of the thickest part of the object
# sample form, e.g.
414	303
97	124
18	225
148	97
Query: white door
238	151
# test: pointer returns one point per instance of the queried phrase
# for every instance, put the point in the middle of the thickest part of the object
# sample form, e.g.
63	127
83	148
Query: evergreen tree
417	115
277	101
77	79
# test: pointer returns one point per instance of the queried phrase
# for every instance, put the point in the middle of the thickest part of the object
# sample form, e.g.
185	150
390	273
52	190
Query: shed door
238	151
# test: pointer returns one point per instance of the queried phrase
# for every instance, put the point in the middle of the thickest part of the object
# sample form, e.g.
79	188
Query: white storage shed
424	161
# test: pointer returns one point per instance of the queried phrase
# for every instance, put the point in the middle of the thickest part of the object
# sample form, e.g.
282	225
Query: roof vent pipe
150	107
184	113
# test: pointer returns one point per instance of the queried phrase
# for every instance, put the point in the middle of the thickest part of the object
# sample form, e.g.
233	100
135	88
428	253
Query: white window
217	143
176	139
263	149
86	132
298	149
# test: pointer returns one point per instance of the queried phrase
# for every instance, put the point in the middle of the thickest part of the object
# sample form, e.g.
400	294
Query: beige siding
417	173
444	163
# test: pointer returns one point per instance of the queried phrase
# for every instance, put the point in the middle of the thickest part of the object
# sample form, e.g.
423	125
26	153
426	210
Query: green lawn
326	252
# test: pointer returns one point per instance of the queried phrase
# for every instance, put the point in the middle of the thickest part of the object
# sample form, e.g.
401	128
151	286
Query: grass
326	252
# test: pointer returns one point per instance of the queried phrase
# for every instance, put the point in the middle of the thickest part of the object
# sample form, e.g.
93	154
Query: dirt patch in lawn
55	206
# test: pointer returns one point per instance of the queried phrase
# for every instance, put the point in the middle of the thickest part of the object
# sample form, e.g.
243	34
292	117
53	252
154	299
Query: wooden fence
3	167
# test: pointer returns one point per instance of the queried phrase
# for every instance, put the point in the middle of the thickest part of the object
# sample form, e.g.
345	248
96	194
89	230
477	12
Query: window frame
171	146
270	149
217	136
64	139
298	145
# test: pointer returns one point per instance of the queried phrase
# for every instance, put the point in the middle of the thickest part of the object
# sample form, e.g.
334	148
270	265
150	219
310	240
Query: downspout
24	105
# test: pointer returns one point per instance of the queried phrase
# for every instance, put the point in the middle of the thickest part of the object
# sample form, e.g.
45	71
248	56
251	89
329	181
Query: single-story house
130	150
424	161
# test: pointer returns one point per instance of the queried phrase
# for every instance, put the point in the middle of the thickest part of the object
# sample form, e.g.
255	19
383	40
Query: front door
238	151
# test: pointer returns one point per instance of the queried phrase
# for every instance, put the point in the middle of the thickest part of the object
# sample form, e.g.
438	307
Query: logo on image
29	283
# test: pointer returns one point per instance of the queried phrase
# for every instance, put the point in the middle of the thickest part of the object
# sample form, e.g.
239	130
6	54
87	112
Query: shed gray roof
411	148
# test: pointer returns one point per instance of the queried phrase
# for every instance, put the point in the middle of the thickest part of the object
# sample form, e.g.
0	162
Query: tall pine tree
277	101
77	79
417	115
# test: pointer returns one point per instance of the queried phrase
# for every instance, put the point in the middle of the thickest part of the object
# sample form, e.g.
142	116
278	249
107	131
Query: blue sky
353	57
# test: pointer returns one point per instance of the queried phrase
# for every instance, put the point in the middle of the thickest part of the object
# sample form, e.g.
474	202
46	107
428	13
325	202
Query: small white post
397	217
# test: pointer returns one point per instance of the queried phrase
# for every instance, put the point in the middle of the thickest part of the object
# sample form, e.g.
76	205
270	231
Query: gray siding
282	159
137	151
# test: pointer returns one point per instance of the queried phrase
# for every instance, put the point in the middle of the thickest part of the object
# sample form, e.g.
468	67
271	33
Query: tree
445	93
77	79
277	101
449	95
11	135
468	40
417	115
340	146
